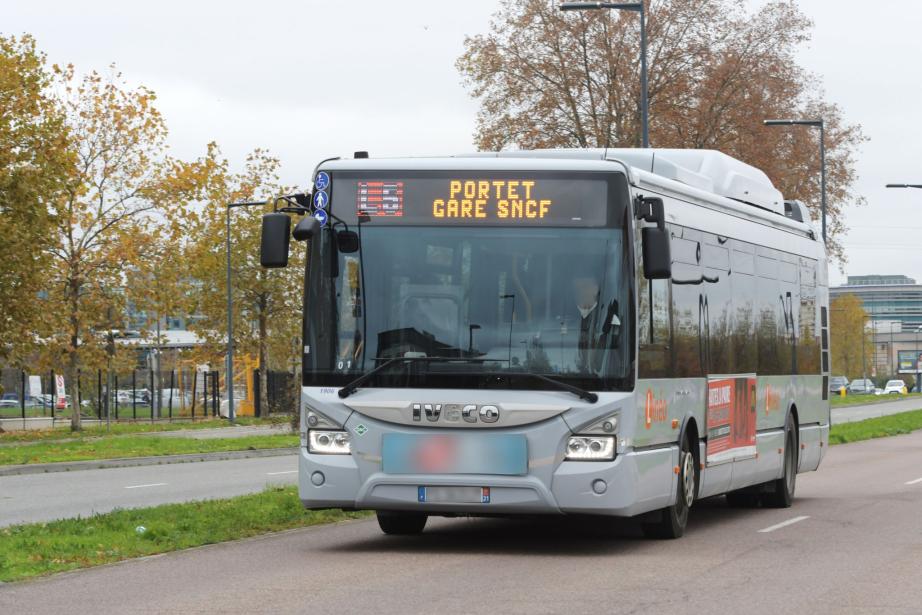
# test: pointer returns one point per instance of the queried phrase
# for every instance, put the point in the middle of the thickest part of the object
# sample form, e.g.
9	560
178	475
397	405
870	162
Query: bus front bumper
633	483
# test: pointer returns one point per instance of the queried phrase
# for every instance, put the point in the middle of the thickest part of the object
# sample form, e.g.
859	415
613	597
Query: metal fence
133	395
136	395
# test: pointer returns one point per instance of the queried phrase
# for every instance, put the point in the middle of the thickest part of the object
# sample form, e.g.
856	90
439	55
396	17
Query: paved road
43	497
848	414
852	543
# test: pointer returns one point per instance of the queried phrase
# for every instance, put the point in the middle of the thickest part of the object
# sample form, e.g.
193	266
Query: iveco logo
454	413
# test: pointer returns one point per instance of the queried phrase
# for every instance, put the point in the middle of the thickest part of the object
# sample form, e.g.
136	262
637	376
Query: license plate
455	495
477	453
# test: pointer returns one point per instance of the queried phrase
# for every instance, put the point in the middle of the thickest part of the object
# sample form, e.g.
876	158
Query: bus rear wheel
673	519
781	491
401	523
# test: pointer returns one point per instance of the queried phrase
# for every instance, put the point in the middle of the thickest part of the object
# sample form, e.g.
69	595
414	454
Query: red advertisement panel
731	419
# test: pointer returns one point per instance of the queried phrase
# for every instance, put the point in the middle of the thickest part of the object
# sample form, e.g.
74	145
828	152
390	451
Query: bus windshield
517	301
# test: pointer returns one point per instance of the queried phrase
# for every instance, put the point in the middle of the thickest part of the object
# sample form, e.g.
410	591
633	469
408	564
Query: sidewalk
127	462
222	432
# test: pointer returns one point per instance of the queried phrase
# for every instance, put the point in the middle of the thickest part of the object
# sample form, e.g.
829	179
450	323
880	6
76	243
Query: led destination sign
489	199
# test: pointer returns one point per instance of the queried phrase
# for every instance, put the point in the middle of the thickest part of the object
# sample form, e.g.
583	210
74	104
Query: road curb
128	462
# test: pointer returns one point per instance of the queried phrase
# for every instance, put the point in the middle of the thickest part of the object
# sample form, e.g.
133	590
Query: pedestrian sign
321	199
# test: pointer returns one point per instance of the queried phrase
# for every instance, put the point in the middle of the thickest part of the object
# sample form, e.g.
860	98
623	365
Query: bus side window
654	329
745	314
770	322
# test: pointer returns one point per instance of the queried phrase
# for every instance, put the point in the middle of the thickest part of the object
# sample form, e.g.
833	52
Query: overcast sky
313	79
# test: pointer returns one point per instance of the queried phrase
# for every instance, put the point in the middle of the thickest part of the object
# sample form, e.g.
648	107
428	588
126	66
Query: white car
893	387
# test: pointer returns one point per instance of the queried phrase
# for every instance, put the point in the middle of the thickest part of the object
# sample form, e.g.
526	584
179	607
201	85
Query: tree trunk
73	357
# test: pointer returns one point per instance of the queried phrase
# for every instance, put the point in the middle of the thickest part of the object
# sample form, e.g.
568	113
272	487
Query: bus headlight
590	448
327	442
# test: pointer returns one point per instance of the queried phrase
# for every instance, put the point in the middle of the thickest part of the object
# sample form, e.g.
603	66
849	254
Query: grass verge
63	432
880	427
81	449
44	548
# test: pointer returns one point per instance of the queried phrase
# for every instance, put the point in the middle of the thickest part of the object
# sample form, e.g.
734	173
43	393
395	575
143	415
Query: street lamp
816	124
918	378
626	6
229	362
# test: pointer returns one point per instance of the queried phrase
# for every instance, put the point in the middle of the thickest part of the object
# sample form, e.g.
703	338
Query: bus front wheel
401	523
673	519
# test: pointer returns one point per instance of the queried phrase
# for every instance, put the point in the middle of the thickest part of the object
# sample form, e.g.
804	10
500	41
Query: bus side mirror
273	249
657	261
306	228
347	241
651	209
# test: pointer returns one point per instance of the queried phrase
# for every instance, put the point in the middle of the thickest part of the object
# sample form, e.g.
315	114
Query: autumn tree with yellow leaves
35	160
267	303
104	212
851	345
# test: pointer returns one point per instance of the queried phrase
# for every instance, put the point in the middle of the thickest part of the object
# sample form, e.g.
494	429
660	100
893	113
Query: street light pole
864	345
229	360
916	352
638	8
816	124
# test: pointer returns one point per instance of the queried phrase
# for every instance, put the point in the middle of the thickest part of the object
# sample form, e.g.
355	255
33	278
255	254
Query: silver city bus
618	332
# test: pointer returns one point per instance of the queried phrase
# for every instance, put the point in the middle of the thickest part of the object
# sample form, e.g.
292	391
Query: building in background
894	307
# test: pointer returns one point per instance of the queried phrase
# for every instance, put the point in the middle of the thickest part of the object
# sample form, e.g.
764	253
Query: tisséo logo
655	410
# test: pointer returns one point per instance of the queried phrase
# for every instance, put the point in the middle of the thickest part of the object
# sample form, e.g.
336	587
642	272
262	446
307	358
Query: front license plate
479	453
455	495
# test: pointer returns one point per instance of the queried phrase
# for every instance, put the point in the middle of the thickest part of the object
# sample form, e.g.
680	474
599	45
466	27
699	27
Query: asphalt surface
852	543
848	414
44	497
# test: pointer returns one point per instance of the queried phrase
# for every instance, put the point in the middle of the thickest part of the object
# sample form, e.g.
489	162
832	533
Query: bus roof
707	170
701	171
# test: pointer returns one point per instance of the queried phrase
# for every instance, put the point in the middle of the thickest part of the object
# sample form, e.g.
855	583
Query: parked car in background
837	383
894	387
9	400
861	386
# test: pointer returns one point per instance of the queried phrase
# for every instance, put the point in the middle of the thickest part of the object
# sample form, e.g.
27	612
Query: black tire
673	519
743	499
781	491
401	523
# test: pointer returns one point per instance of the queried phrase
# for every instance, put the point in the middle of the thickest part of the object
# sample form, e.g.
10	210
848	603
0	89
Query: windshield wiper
353	386
581	393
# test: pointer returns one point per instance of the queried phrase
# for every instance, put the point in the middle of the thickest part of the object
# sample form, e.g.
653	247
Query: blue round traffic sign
322	181
321	199
321	217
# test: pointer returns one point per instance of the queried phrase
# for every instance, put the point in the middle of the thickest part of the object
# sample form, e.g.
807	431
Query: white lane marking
277	473
778	526
140	486
913	482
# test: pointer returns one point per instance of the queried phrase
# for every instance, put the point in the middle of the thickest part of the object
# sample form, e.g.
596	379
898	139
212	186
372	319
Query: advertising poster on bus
731	419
